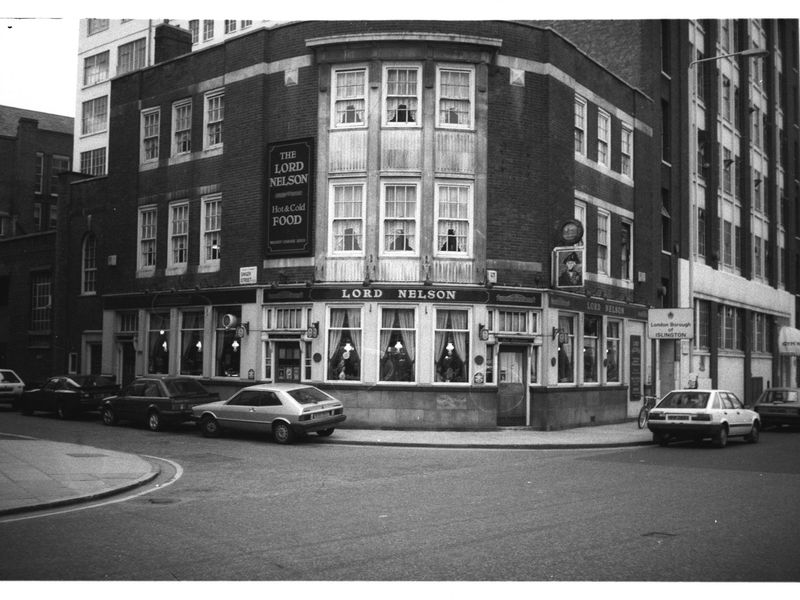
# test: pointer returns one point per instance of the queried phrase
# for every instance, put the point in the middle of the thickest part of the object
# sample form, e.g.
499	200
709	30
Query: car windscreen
309	395
184	387
91	381
684	400
8	377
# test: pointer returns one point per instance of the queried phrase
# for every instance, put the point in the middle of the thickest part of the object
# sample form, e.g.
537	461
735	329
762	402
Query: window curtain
458	320
406	320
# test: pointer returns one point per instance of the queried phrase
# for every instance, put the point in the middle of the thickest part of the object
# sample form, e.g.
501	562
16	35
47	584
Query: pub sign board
289	198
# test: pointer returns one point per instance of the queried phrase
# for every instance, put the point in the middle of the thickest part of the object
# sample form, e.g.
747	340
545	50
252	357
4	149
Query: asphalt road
247	509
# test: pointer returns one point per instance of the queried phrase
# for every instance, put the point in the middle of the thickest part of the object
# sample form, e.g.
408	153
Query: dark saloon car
156	400
283	409
68	395
779	406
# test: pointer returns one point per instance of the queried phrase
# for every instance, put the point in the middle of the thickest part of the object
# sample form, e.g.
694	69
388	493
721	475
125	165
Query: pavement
38	474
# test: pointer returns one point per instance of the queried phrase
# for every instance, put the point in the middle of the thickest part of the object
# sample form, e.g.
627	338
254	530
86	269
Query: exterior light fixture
313	330
483	333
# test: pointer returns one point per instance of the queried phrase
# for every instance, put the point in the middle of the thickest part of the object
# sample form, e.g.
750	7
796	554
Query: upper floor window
211	231
132	56
214	117
93	162
350	97
58	164
626	250
246	23
603	138
208	30
96	26
89	264
151	123
182	127
727	168
580	125
147	238
400	217
454	97
178	234
626	150
95	68
401	100
453	218
41	301
603	221
194	29
726	98
230	25
95	115
347	218
38	181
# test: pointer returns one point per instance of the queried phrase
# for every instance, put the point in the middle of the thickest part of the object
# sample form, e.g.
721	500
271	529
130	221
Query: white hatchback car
11	387
699	414
284	409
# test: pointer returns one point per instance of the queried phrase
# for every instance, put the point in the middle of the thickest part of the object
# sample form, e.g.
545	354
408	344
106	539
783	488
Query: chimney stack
171	41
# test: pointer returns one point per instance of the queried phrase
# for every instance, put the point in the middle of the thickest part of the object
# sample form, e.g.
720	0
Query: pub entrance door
512	385
289	363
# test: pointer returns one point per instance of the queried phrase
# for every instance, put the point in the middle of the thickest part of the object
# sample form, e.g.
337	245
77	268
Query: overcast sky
38	56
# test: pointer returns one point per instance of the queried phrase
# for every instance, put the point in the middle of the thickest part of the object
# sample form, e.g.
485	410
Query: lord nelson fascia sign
289	197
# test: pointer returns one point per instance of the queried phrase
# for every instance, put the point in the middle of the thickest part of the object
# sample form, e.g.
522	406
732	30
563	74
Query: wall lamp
313	330
483	333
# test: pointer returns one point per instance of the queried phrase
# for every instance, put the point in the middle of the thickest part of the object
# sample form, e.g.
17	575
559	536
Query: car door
239	412
741	420
269	406
127	399
46	398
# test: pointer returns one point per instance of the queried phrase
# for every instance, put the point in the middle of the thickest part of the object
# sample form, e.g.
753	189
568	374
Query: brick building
383	209
35	148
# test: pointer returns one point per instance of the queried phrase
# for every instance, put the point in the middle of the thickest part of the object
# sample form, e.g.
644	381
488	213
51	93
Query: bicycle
644	412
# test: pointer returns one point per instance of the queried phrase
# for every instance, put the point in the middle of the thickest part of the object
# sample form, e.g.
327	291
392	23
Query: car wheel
209	426
282	433
154	421
109	418
325	432
754	434
721	439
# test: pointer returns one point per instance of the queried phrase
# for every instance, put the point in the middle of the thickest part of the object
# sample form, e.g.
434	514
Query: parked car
699	414
157	400
11	387
779	406
284	409
68	395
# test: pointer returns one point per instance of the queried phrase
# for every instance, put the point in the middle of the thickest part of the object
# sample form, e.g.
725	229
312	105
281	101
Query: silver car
11	387
284	409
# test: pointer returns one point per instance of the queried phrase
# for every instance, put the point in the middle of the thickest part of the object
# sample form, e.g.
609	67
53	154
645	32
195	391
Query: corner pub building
381	209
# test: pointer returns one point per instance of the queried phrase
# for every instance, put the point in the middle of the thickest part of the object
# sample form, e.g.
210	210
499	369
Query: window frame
179	221
333	218
603	240
90	163
147	239
57	160
603	138
94	115
211	119
439	184
212	263
385	356
38	174
626	150
89	265
132	56
208	29
440	98
385	96
356	330
579	118
384	218
466	360
94	71
154	137
41	304
335	123
180	126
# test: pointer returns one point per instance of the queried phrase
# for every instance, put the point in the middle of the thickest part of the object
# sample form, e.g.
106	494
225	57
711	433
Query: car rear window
684	400
184	387
781	396
91	381
309	395
8	377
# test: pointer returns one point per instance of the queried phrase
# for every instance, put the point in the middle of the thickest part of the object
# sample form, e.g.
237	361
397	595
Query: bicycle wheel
643	417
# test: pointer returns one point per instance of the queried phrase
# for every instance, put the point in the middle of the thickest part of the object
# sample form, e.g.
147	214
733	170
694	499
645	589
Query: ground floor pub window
344	344
158	343
592	328
228	346
566	348
398	341
451	345
192	343
613	339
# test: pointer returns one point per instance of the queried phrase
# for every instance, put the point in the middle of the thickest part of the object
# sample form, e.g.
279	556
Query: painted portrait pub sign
289	201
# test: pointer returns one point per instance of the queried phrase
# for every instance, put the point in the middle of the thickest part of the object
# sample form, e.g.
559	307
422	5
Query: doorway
288	361
127	362
512	386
